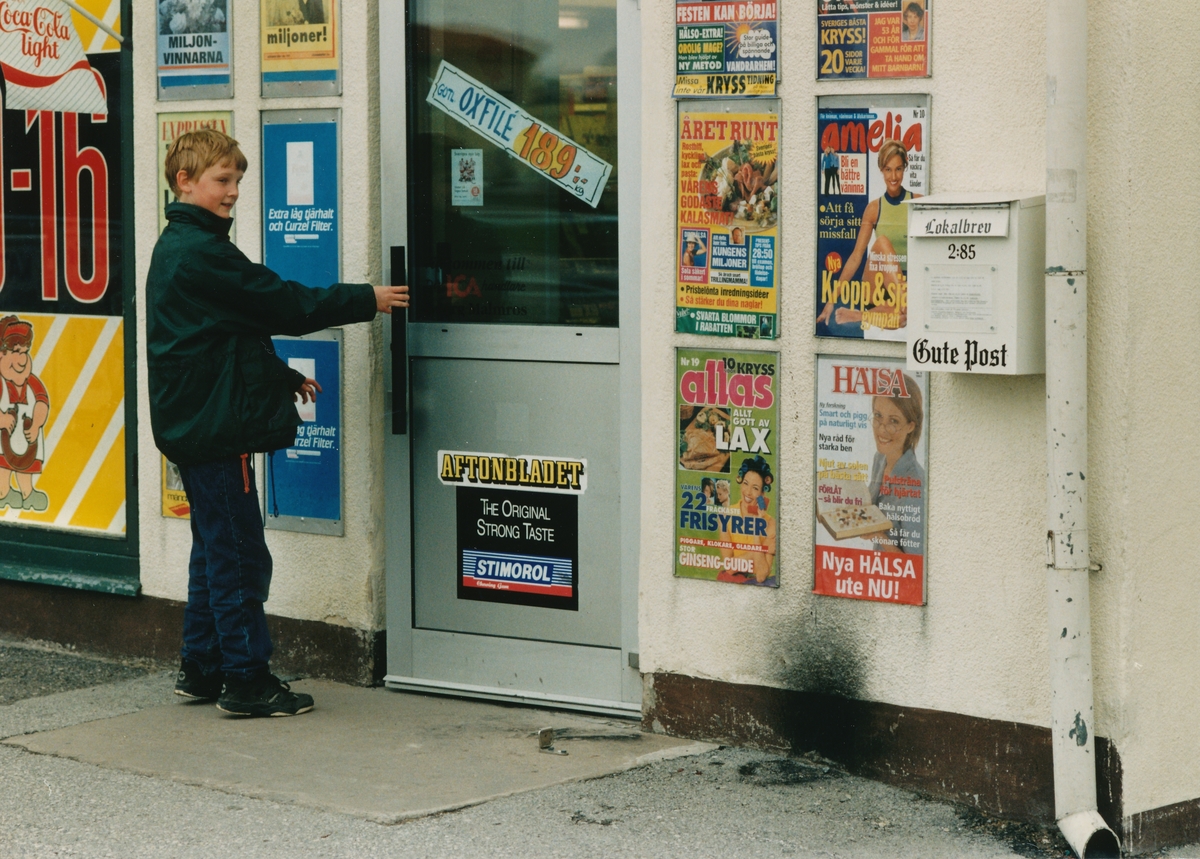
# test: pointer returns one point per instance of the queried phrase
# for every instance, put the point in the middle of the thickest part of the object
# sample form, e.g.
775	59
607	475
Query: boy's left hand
308	391
387	297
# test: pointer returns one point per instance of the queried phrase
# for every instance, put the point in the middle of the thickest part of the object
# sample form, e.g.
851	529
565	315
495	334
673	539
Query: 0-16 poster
726	495
727	223
858	39
726	48
872	159
872	456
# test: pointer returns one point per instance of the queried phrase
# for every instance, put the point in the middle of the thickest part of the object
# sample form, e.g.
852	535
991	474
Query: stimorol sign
545	150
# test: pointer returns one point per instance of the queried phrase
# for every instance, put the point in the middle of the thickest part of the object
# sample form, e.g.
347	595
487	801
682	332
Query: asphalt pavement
709	802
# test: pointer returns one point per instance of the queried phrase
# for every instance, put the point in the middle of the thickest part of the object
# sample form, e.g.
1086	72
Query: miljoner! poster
859	39
726	493
872	159
872	459
727	223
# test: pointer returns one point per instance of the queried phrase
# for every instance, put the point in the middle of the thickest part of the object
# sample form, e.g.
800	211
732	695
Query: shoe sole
192	697
277	713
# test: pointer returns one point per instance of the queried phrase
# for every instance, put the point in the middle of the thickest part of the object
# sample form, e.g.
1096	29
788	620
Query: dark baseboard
1002	768
151	628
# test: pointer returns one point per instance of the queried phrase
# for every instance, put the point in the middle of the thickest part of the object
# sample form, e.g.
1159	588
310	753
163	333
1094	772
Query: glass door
518	585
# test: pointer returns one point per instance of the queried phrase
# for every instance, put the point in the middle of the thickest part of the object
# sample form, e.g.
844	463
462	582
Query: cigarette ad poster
873	39
172	126
301	236
518	526
304	481
195	59
300	47
174	499
726	495
727	224
726	49
63	267
872	159
872	456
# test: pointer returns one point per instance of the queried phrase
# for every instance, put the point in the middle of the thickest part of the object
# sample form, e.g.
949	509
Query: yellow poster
62	421
172	126
299	42
727	229
174	500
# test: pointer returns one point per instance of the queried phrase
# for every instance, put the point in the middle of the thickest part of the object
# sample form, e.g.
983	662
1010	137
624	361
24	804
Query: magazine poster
172	126
726	49
871	160
195	59
875	39
872	460
727	223
300	47
175	504
64	264
726	492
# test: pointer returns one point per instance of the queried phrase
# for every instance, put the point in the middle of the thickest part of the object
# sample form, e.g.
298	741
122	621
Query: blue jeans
224	623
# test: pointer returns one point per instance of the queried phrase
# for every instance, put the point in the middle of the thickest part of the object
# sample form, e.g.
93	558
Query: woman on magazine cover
754	480
887	219
897	484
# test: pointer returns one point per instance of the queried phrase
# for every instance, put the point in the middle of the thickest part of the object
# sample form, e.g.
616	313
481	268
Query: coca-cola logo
40	21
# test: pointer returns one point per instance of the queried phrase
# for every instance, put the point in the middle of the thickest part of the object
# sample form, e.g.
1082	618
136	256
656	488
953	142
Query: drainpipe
1071	716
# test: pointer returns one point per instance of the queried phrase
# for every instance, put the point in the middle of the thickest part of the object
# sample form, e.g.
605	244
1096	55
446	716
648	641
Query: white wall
979	646
337	580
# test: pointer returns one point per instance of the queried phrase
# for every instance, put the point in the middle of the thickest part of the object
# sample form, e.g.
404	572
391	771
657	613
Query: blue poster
300	201
304	481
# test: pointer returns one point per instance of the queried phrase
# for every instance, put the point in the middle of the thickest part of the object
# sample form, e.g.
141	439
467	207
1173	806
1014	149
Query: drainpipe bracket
1067	550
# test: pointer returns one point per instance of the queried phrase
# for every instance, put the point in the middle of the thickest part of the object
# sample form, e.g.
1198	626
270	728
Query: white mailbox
976	283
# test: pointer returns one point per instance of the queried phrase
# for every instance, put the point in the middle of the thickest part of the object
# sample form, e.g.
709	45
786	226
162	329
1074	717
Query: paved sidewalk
126	769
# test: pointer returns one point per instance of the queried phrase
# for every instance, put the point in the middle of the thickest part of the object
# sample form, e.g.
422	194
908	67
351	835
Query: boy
217	394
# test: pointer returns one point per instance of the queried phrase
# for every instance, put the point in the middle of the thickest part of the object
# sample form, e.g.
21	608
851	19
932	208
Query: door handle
399	277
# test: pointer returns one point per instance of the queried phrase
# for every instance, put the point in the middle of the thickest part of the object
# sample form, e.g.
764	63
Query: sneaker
262	696
192	682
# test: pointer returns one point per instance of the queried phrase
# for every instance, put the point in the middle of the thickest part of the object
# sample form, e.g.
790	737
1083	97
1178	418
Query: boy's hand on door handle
387	297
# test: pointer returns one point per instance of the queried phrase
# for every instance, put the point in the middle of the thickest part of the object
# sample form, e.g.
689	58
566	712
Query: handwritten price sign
543	149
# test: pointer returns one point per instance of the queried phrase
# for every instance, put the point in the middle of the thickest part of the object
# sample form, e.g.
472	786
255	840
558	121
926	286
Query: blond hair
891	148
196	151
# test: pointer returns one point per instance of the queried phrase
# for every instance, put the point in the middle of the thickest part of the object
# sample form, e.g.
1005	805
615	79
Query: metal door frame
556	343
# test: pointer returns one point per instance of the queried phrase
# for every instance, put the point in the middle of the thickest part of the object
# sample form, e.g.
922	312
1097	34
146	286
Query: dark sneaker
192	682
262	696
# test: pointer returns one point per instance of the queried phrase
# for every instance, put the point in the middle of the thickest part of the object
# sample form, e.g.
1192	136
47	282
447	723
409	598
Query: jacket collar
186	213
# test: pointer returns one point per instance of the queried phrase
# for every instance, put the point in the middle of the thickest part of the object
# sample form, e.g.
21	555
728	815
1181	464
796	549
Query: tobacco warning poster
727	224
871	161
726	48
726	494
858	39
872	456
300	47
518	526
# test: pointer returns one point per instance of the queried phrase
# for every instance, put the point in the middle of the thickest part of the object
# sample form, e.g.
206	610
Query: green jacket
217	389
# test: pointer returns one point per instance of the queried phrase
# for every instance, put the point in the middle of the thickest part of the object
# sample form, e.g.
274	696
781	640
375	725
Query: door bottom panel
516	670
